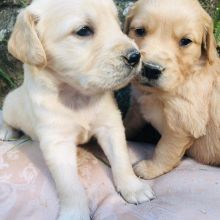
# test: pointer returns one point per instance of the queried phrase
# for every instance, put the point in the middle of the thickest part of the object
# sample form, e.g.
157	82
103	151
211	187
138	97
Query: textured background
8	13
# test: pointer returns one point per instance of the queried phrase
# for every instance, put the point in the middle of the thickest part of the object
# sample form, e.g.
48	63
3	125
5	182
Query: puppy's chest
85	112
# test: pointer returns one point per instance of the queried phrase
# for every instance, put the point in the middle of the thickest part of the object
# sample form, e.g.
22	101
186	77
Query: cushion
27	191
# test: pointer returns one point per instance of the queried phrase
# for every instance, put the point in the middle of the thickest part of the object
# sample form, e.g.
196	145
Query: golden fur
184	103
67	94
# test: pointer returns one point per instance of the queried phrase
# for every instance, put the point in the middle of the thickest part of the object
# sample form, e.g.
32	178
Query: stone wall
8	12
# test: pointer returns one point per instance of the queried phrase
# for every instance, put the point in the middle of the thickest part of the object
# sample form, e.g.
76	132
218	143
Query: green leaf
217	33
24	3
217	24
6	78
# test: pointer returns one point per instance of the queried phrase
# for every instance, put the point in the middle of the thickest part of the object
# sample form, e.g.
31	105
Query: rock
7	20
8	64
14	3
123	6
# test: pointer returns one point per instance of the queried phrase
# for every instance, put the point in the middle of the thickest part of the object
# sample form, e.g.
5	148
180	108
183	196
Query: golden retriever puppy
72	63
178	91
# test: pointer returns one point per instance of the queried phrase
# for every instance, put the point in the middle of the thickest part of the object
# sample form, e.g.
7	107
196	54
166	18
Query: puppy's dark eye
85	32
185	42
140	32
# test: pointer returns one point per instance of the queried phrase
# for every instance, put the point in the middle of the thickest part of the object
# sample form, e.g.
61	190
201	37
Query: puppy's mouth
150	74
148	84
143	80
124	74
125	79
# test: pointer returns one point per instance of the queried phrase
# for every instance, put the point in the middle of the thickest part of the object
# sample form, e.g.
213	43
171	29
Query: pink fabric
27	191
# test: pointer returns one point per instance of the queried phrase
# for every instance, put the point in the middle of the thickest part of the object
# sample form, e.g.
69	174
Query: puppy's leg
112	140
168	154
60	154
11	113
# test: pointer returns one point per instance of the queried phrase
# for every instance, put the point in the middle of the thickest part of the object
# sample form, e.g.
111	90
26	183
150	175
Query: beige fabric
27	192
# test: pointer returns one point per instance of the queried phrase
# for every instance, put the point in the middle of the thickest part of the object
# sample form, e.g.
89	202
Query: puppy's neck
74	99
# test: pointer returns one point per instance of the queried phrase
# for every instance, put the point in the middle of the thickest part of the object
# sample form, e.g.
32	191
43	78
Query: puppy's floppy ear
129	19
24	43
127	24
209	44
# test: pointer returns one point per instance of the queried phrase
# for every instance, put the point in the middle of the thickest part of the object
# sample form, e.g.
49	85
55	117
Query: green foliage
217	24
24	3
6	79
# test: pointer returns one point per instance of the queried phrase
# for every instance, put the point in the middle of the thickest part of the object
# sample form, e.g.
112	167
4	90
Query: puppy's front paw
135	191
7	133
75	214
147	169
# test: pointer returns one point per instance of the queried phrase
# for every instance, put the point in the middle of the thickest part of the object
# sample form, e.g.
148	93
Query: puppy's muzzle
152	71
132	58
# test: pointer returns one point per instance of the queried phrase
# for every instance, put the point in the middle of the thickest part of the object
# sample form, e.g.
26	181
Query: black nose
132	58
152	70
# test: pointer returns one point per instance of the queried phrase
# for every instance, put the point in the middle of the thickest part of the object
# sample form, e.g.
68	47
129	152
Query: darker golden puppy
178	91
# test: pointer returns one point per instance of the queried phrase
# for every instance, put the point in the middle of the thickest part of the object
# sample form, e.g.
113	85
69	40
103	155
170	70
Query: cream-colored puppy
178	91
75	55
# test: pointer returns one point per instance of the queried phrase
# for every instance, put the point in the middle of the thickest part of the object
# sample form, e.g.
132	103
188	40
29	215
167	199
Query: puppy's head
79	41
175	39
